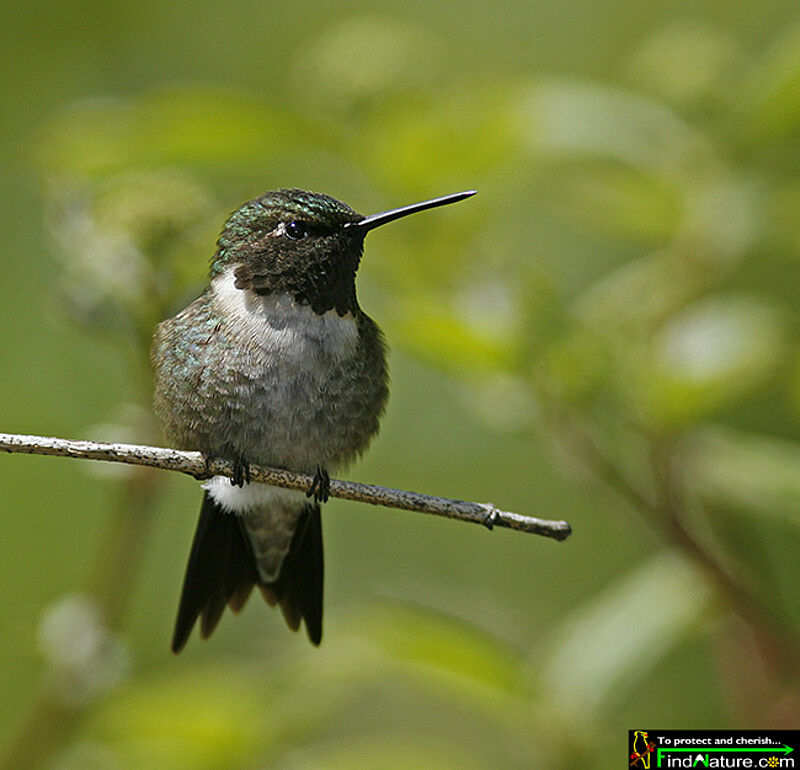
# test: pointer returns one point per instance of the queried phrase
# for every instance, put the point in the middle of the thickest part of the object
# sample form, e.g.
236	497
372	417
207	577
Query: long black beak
376	220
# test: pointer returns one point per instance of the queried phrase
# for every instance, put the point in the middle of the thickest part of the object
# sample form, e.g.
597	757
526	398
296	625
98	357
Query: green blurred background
607	333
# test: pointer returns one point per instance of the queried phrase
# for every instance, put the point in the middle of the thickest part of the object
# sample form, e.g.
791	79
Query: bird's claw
241	473
207	474
320	488
490	519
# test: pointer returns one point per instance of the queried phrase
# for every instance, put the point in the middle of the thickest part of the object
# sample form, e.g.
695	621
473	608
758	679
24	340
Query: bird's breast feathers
283	329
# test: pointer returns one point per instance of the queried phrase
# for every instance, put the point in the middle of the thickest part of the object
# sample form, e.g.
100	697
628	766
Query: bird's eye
296	230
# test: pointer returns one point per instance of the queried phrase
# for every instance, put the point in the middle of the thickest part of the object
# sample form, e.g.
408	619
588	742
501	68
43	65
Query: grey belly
294	419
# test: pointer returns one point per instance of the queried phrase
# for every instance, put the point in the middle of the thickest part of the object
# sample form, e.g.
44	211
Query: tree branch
197	465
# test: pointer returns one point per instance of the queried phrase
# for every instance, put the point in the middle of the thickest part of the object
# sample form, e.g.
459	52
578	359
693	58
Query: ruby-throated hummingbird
274	364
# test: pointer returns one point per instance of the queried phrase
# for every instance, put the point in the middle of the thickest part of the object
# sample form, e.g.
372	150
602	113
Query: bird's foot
491	518
241	472
320	488
207	474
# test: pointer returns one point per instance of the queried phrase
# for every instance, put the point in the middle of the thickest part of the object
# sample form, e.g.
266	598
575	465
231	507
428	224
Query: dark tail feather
222	570
298	589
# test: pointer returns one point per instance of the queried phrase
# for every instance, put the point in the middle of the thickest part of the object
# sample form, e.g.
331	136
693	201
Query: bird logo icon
641	749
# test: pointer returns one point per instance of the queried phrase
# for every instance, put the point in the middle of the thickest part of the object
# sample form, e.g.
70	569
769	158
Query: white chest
281	331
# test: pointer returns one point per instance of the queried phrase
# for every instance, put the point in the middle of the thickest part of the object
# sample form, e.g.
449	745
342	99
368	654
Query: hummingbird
274	364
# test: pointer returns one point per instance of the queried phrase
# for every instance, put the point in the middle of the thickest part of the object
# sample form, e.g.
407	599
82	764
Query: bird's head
306	244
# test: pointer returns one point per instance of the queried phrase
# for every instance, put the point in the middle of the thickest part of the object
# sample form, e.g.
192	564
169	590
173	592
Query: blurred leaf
469	132
684	62
760	474
712	353
216	720
619	200
381	752
723	213
86	755
504	403
173	126
129	244
425	328
571	119
85	659
769	102
576	367
642	294
763	553
445	652
153	209
365	63
784	225
750	486
609	647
